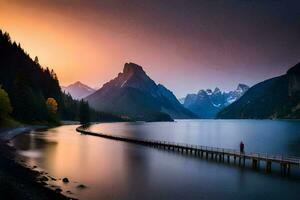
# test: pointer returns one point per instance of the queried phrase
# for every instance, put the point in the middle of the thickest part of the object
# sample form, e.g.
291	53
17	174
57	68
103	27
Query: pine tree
36	60
84	112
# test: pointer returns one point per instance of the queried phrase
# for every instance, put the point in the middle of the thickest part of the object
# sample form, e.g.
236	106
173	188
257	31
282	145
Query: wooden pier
218	154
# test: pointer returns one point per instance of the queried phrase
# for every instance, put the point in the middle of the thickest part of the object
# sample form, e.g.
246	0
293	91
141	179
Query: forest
31	94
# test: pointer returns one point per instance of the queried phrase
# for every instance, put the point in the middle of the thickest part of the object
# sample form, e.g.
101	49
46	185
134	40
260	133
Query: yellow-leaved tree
5	106
52	105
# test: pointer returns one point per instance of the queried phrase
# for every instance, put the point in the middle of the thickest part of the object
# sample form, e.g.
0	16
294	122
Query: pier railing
213	152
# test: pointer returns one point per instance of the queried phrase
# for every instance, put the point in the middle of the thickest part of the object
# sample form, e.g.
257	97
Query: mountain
277	97
78	90
232	96
207	103
135	95
181	100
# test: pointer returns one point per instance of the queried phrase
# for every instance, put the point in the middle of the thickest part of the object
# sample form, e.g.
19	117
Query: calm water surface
118	170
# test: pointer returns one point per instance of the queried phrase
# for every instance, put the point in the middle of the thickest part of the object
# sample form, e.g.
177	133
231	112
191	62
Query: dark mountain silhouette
277	97
207	103
134	94
78	90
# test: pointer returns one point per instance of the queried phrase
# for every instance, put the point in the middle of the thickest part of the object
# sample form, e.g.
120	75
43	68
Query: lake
118	170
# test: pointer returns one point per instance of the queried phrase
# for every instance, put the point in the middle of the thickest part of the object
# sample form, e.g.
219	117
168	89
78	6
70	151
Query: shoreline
16	180
8	134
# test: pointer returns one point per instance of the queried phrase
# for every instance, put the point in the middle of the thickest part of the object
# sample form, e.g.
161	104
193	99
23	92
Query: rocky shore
17	181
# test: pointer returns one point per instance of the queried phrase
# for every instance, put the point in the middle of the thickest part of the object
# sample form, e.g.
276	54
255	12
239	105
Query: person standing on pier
242	146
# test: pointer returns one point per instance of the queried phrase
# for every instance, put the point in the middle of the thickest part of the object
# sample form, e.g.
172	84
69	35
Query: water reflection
267	136
119	170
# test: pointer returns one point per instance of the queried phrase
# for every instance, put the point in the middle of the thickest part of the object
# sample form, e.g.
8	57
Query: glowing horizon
90	42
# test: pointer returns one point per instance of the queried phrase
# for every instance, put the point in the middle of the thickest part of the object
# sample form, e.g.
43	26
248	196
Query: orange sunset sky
185	46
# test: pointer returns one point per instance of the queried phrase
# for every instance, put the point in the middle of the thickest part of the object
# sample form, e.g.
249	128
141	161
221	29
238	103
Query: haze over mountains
78	90
135	95
207	103
277	97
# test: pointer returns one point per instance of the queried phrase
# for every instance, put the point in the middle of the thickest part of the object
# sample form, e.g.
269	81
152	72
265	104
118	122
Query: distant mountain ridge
207	103
78	90
274	98
134	94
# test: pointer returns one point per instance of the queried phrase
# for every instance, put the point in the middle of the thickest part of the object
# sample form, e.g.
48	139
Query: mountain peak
294	69
242	87
202	92
209	91
77	83
133	93
130	68
207	103
217	90
78	90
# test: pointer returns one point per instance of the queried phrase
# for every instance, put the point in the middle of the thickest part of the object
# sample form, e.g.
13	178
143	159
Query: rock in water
81	186
58	190
65	180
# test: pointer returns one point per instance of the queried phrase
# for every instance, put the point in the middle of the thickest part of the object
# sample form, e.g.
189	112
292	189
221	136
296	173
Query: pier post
285	169
268	166
254	164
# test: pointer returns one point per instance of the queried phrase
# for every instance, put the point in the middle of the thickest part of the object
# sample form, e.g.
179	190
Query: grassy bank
9	123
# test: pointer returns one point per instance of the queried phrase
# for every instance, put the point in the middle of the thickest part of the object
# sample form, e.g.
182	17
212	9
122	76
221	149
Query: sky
186	45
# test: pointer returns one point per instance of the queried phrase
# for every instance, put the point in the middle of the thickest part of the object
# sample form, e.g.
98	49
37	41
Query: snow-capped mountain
181	100
207	103
134	94
275	98
78	90
232	96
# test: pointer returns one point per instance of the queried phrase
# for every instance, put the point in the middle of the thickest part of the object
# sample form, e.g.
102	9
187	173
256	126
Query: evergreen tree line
75	110
29	85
